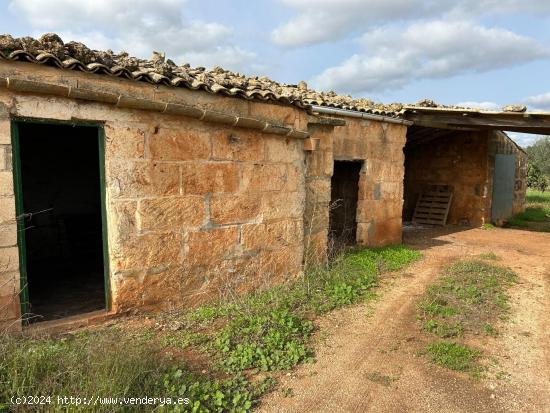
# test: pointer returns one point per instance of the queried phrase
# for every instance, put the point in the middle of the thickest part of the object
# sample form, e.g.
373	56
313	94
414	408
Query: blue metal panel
503	186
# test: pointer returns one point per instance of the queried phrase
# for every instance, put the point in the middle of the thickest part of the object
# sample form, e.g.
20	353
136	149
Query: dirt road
367	355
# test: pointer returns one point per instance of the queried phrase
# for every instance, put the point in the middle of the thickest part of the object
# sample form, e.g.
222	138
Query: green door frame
19	207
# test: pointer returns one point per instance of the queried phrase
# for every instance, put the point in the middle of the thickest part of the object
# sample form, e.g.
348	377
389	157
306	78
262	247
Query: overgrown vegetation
454	356
469	295
537	212
538	171
264	331
468	298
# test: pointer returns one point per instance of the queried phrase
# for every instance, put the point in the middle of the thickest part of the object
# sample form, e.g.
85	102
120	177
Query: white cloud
138	27
328	20
321	20
433	49
480	105
539	102
523	139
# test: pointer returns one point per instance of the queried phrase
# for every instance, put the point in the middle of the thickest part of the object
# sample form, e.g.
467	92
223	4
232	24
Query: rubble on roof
51	49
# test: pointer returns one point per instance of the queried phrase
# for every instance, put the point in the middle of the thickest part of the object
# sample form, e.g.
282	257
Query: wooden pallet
433	206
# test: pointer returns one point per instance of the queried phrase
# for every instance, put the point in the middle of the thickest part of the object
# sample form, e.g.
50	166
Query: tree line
538	164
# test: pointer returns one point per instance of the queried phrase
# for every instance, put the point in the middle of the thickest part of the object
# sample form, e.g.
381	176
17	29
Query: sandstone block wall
380	147
195	209
10	309
460	161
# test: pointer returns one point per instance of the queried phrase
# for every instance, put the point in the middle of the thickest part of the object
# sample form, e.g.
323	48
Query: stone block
127	292
238	145
148	251
6	183
272	112
5	131
318	190
279	149
46	107
365	233
7	210
173	213
281	264
387	232
260	177
133	179
320	163
316	217
9	283
231	209
367	209
208	248
294	177
9	259
272	234
121	216
181	144
276	205
214	177
10	308
8	234
124	142
315	249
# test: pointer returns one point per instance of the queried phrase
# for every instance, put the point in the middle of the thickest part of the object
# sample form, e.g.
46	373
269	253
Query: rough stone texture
5	132
170	214
380	146
6	183
183	195
459	161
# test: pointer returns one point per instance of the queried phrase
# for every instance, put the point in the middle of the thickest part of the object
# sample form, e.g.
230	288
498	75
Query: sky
480	53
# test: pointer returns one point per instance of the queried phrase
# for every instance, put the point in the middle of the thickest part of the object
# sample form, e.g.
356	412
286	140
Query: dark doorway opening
343	204
60	191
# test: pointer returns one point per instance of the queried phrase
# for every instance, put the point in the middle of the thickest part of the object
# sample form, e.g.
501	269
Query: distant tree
538	172
539	154
535	178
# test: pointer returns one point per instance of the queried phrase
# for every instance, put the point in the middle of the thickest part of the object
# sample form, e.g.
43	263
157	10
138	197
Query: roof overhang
466	119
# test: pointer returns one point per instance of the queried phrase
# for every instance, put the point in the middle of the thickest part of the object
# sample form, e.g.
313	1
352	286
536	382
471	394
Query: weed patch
469	296
266	330
454	356
536	215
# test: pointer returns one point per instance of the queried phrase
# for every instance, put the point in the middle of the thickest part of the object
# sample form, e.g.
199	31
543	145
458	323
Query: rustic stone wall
380	146
9	256
501	144
458	160
194	209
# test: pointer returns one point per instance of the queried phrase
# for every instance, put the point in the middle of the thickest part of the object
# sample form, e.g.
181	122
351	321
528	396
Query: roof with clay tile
51	50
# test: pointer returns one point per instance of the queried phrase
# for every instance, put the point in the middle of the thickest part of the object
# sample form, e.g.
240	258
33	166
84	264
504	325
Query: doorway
60	202
343	204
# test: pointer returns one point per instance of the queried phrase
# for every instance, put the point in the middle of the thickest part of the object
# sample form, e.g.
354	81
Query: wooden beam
515	123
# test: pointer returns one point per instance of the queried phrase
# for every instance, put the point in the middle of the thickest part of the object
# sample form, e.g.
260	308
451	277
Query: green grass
267	330
537	212
454	356
468	298
469	295
490	256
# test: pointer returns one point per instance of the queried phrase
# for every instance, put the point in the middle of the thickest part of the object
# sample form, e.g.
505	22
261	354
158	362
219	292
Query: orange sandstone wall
195	209
380	146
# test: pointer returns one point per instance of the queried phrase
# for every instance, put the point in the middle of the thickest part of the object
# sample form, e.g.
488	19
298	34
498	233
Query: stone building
132	184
